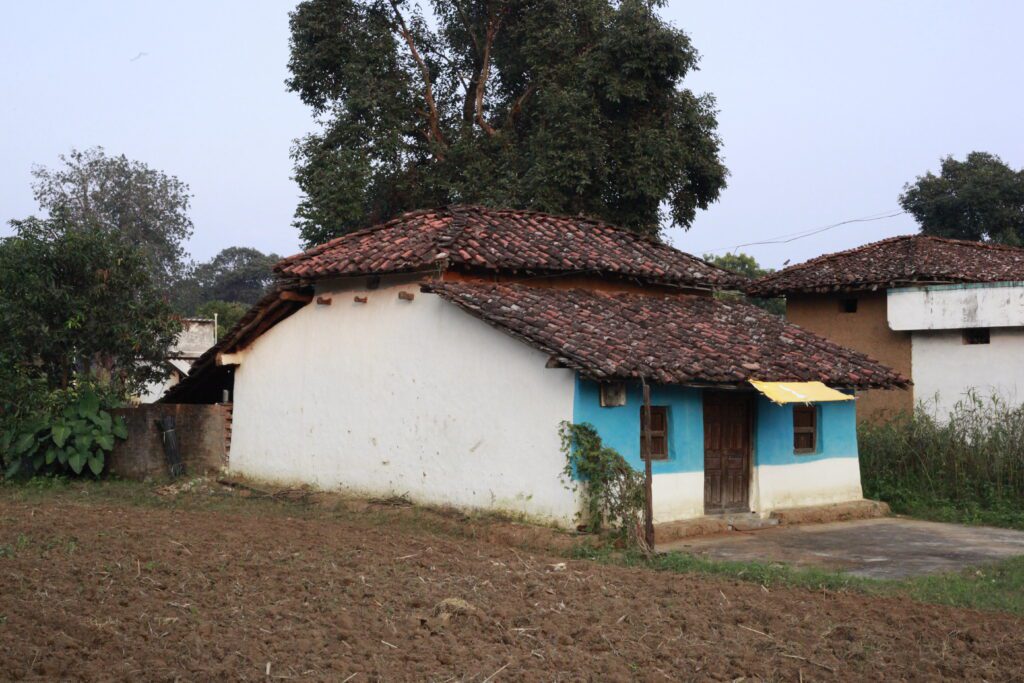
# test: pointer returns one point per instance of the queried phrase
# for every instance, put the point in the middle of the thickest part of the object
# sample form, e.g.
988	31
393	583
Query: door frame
750	399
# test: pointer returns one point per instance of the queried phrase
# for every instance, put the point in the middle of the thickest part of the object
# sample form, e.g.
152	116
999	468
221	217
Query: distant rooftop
906	260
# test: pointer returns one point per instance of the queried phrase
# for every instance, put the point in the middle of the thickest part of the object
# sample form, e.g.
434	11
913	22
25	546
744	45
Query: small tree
980	198
75	303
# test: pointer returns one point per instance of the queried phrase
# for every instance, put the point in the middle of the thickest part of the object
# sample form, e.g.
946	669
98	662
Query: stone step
748	521
710	524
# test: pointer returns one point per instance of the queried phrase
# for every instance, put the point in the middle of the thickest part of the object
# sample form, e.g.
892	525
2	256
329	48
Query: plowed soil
108	590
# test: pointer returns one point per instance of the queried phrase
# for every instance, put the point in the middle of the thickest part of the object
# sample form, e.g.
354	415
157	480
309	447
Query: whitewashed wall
677	495
393	397
950	307
819	482
945	368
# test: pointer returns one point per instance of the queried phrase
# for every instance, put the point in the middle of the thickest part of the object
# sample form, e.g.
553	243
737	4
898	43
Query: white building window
976	335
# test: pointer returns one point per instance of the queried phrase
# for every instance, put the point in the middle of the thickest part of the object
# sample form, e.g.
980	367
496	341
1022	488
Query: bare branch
433	118
493	25
517	106
468	25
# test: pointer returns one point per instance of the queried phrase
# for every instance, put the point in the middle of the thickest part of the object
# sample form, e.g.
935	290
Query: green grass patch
994	587
767	574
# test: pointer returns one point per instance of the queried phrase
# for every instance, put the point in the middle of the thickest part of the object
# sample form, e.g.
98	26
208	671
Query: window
976	335
659	433
847	305
805	429
613	394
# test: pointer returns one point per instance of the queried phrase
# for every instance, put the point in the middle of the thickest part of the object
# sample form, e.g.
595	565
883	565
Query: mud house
949	314
437	354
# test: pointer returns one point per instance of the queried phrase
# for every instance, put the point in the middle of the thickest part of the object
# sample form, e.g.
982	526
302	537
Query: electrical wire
794	236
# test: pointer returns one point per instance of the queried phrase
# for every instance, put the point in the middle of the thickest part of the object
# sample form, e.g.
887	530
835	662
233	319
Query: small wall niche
613	394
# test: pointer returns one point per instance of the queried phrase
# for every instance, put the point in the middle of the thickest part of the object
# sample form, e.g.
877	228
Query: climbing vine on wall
612	491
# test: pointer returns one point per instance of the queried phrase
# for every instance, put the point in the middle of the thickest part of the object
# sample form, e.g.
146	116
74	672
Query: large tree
126	199
235	275
980	198
75	303
560	105
239	274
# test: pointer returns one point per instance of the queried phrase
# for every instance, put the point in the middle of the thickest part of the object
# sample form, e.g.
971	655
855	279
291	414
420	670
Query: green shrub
971	464
73	433
613	492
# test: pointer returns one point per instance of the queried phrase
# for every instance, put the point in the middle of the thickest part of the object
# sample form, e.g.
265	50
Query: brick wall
204	437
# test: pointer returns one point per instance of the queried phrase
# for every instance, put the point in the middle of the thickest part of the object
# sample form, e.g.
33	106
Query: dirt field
100	589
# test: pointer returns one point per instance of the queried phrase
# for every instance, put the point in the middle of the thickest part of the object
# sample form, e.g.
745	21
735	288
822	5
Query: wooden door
727	426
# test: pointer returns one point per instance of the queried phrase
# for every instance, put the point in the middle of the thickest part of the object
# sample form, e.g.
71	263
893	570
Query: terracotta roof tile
675	339
503	240
897	261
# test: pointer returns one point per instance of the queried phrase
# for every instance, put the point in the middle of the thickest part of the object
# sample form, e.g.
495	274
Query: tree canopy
75	303
127	199
980	198
747	265
568	106
741	263
239	274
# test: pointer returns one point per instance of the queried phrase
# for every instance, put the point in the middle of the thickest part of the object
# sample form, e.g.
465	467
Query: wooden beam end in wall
299	297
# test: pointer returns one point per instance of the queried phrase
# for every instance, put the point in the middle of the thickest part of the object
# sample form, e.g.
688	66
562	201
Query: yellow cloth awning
799	392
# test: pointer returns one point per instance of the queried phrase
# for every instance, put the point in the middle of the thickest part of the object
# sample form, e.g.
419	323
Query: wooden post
648	477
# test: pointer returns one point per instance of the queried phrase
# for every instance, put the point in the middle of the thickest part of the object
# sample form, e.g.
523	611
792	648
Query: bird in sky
138	57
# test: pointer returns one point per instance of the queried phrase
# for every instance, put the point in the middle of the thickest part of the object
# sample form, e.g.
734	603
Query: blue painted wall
773	433
619	427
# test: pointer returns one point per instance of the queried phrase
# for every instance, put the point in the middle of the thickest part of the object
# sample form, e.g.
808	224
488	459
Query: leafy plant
75	437
613	492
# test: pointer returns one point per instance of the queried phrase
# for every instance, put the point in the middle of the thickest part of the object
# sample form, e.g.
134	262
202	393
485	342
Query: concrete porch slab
886	548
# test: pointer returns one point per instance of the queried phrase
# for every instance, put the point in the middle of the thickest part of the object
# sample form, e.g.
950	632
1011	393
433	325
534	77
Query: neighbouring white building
947	313
437	355
963	338
197	336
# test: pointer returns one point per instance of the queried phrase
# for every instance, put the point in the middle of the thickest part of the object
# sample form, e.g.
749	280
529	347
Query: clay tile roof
670	338
897	261
475	237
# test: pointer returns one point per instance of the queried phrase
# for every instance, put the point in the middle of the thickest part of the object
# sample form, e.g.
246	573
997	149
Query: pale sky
826	108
